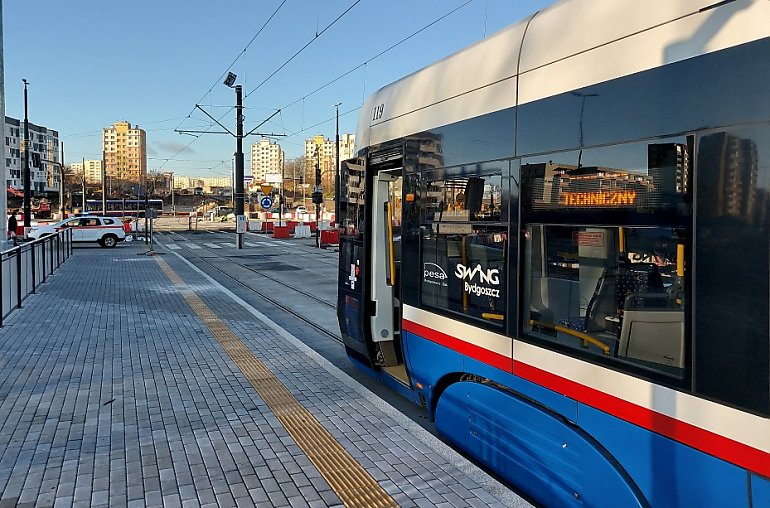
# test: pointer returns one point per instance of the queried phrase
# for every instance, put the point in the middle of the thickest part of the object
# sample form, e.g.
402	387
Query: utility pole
61	184
337	167
27	176
318	197
173	209
104	185
83	181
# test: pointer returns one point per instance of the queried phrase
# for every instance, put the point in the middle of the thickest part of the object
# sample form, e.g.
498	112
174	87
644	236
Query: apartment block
266	158
210	184
320	150
125	152
93	170
43	156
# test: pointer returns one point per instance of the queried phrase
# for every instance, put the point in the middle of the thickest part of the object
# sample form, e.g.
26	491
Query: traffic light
317	175
318	197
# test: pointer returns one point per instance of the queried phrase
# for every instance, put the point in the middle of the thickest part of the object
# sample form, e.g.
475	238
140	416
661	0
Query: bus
124	207
556	242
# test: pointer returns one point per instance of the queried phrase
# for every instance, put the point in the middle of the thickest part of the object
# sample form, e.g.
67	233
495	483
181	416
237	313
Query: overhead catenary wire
195	138
219	79
295	55
359	66
320	88
381	53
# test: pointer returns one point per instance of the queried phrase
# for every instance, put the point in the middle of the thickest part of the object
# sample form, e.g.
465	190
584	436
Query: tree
296	174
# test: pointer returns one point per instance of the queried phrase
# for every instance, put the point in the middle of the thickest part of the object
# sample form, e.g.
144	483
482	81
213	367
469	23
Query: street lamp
238	195
27	179
337	164
62	209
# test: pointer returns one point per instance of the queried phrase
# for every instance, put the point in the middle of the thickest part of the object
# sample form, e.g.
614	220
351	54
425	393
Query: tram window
608	235
464	271
351	215
732	268
472	198
623	298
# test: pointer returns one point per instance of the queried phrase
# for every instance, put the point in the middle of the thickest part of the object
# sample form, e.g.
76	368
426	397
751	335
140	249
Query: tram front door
385	242
370	237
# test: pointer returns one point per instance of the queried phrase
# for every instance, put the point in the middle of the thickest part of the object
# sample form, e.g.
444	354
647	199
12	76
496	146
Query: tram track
262	294
301	251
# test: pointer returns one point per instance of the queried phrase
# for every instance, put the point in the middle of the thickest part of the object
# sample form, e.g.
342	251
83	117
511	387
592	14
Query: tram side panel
605	413
640	450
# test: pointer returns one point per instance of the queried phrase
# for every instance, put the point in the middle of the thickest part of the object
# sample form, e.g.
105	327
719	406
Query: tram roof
570	45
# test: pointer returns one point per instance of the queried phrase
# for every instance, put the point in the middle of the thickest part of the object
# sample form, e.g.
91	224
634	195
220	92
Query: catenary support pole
27	176
239	159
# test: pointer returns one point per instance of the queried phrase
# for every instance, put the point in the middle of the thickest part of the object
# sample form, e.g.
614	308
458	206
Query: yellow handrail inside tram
392	260
584	337
621	240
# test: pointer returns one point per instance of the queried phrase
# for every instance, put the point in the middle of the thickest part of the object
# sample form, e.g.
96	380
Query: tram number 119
377	112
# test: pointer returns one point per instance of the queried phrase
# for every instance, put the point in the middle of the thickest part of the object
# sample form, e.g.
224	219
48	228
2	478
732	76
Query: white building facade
93	170
267	158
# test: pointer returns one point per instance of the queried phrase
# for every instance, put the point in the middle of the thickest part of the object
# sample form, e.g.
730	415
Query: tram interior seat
554	300
652	330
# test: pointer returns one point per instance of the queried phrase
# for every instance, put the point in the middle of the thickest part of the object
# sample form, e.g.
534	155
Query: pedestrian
12	224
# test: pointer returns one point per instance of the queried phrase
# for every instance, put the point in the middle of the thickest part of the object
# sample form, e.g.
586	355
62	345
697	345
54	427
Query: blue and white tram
557	240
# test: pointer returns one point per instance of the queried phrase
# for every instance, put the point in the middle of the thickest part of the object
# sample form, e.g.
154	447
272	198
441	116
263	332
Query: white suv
106	231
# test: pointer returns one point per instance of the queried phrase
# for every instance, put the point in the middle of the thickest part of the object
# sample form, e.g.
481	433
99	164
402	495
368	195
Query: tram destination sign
599	198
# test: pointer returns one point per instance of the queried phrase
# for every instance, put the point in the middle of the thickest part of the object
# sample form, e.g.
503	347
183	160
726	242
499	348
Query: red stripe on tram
479	353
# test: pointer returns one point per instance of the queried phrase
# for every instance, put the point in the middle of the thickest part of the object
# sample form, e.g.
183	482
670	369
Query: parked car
301	209
106	231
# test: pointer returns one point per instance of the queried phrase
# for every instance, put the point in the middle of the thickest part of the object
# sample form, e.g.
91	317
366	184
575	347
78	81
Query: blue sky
91	63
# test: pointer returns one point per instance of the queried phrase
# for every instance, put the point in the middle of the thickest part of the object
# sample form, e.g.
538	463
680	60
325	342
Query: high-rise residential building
266	158
125	152
93	170
43	156
321	150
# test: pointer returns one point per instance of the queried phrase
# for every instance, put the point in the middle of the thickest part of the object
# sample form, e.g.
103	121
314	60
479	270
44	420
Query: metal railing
24	267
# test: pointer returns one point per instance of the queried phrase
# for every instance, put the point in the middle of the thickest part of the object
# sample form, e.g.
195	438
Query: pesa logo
434	274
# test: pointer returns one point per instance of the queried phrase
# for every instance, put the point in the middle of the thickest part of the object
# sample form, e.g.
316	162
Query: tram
556	241
125	207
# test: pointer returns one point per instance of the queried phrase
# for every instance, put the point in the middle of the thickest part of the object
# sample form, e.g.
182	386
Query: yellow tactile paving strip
350	481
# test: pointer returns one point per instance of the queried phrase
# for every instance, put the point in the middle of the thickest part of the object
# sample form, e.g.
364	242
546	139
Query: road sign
240	224
266	188
266	202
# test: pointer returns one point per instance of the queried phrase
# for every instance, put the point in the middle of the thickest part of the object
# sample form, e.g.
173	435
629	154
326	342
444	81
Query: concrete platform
136	380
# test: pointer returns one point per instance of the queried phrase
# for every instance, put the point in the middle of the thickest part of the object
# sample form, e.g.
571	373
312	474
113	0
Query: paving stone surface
113	393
